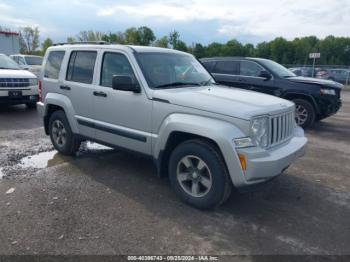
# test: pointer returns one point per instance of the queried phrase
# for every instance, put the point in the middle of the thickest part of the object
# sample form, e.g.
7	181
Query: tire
214	169
31	105
70	143
306	113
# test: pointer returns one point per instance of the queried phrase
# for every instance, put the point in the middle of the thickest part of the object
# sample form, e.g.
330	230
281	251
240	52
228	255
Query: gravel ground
109	202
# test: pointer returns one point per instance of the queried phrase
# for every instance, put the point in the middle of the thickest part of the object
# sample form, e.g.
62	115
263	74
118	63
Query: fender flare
304	95
63	102
219	131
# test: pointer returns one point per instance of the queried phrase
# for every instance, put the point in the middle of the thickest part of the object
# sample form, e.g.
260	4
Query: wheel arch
309	98
55	102
181	127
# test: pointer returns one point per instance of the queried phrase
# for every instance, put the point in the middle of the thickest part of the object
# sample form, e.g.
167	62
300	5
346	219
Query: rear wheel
198	174
304	113
61	134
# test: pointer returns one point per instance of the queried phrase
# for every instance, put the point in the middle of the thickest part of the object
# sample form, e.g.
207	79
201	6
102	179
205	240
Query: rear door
250	79
78	86
226	73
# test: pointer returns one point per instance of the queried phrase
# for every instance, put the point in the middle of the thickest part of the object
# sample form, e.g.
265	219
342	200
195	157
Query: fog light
243	162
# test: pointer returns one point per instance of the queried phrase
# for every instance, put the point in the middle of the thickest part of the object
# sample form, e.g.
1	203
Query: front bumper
263	165
328	105
28	95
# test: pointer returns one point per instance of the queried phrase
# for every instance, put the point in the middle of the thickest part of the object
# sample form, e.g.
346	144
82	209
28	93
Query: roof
139	49
9	33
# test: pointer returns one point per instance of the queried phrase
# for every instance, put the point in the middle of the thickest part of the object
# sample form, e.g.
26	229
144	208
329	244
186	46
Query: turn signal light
243	161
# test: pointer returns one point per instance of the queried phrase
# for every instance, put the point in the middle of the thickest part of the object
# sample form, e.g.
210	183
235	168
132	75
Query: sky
197	21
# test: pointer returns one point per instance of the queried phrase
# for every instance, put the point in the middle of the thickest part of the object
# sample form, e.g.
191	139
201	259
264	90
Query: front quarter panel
221	132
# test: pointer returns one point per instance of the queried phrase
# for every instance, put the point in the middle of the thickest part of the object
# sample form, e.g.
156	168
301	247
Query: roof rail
85	43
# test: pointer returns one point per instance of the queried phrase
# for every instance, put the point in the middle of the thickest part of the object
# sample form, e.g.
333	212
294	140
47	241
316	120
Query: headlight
327	91
33	81
259	131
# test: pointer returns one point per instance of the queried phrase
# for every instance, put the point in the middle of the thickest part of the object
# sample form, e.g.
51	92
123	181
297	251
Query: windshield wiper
178	84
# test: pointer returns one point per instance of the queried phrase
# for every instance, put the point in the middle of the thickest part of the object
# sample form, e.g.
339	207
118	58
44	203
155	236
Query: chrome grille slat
14	82
281	128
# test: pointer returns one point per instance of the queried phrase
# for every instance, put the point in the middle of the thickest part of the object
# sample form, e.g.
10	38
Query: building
9	43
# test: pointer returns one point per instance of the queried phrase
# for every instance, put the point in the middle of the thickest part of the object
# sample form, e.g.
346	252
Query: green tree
90	36
70	40
29	39
46	44
146	36
181	46
162	42
174	37
132	36
198	50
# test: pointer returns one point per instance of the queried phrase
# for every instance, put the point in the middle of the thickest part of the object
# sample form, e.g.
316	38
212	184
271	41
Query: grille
14	82
281	128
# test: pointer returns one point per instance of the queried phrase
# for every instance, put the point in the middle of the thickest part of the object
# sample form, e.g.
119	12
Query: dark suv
315	99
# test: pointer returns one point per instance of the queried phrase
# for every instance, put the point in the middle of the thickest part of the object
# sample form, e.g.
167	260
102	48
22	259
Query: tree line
334	50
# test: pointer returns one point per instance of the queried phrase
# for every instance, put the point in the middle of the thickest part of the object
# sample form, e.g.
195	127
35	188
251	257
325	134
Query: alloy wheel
194	176
59	133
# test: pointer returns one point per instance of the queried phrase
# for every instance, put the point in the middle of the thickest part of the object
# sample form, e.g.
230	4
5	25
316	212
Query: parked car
323	74
315	99
16	86
29	62
338	75
162	103
304	71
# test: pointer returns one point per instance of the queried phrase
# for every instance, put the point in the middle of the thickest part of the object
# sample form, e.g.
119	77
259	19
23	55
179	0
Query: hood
10	73
315	81
227	101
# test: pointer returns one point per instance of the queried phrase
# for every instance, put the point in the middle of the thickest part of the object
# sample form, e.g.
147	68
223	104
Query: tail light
40	91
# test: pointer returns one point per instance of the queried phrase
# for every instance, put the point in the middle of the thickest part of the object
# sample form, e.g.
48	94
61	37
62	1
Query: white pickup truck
163	104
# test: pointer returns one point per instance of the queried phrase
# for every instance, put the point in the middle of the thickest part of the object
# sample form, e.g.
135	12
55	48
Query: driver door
122	118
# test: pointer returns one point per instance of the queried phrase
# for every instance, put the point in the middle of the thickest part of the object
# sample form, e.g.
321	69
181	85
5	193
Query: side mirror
125	83
265	74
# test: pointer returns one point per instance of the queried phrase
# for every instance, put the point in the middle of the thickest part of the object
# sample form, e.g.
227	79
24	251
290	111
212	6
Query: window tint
208	65
53	64
81	66
225	67
250	69
114	64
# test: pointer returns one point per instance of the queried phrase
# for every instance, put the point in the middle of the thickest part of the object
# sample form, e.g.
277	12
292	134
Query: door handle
241	80
102	94
65	87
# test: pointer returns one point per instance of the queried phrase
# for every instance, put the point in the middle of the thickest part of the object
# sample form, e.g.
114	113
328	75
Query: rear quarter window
53	64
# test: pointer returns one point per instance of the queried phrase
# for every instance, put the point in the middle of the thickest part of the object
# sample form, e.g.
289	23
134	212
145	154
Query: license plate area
15	93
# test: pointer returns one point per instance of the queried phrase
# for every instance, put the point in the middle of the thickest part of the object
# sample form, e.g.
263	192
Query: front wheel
198	174
304	113
62	137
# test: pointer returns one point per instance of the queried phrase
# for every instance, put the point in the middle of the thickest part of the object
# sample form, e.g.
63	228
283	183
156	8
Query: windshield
169	70
277	69
34	60
7	63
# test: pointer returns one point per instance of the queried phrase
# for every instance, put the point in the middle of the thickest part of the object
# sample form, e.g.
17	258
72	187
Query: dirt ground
105	201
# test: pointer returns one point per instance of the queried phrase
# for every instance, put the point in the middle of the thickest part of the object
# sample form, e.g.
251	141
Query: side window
208	65
225	67
81	66
250	69
21	61
53	64
114	64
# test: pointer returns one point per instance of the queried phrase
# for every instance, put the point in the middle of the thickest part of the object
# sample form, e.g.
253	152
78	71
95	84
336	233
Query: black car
315	99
